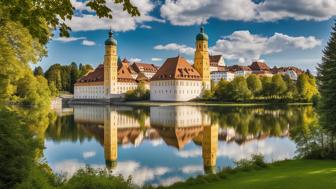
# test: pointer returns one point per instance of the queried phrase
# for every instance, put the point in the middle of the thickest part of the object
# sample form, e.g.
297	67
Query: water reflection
162	145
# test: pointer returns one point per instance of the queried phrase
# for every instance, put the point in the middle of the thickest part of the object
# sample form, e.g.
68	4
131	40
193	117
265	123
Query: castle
175	80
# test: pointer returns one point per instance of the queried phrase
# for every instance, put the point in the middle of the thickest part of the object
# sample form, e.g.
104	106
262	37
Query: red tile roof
259	66
214	59
176	68
235	68
276	70
143	67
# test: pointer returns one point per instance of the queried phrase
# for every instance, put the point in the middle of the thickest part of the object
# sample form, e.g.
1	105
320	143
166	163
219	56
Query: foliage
254	84
140	93
90	178
306	86
17	82
38	71
238	89
277	88
40	17
63	77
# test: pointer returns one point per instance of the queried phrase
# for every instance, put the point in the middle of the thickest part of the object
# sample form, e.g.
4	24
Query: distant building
176	80
291	71
148	70
216	76
216	63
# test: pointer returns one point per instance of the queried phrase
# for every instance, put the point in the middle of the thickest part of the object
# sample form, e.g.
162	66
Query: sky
281	32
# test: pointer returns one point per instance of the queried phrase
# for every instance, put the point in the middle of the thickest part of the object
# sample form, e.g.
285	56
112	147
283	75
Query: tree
327	84
74	75
38	71
306	86
53	74
291	92
254	84
279	86
221	90
42	16
238	90
266	87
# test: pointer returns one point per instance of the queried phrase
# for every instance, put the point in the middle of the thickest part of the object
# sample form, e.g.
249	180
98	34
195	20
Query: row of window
174	83
177	91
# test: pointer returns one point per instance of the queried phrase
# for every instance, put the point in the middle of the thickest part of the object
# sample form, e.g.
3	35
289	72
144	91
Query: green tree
266	87
221	90
74	75
38	71
254	84
53	74
238	90
306	86
279	86
327	84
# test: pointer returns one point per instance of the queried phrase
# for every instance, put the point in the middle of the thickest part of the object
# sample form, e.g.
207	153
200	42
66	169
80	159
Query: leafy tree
53	74
74	75
279	86
306	86
266	87
221	90
38	71
40	17
254	84
140	93
327	84
238	89
291	92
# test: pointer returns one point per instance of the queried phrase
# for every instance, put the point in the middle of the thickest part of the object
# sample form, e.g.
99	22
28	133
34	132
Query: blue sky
282	32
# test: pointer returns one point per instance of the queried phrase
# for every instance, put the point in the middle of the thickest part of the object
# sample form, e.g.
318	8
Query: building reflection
176	126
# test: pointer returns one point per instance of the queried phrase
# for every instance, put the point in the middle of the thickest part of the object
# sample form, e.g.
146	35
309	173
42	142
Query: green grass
293	174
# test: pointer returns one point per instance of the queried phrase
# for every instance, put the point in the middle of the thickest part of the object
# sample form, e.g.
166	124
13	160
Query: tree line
63	77
255	88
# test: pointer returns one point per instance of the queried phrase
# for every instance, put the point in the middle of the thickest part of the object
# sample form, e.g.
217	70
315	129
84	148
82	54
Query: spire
110	40
202	29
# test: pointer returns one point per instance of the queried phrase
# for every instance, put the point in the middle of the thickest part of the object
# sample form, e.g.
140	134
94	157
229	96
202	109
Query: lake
161	145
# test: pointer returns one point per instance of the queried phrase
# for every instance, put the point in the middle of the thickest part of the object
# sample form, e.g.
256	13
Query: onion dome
110	40
202	35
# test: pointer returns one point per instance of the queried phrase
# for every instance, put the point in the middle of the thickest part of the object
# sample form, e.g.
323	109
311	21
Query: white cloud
176	47
146	26
244	46
156	59
273	149
135	59
89	154
169	181
88	43
192	169
68	39
121	21
189	12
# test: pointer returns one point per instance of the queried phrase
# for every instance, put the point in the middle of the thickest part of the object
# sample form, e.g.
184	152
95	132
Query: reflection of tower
201	59
110	66
110	137
209	147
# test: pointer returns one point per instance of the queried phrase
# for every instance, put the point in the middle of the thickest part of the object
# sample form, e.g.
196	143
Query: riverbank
210	103
291	174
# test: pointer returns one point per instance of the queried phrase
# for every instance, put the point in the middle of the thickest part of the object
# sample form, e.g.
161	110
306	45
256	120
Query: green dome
110	40
202	35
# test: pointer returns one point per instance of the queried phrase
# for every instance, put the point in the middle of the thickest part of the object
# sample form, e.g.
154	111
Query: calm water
163	145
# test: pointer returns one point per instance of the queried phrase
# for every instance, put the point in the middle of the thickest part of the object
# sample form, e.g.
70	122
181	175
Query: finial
202	28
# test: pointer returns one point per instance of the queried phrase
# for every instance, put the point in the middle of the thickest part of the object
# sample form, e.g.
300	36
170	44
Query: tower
110	66
209	147
201	58
110	137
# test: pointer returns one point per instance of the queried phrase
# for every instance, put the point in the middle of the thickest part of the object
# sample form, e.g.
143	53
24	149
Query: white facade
92	91
243	73
179	116
221	63
175	90
218	75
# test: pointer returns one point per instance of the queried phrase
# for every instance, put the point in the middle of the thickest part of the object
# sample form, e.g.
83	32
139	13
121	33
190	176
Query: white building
216	76
216	63
176	80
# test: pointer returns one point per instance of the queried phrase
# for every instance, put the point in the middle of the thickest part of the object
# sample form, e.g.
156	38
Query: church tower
209	148
110	137
201	58
110	67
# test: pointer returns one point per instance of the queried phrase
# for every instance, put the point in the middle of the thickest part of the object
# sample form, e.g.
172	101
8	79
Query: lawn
296	174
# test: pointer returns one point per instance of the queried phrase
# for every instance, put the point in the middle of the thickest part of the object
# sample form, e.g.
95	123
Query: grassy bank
210	103
294	174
